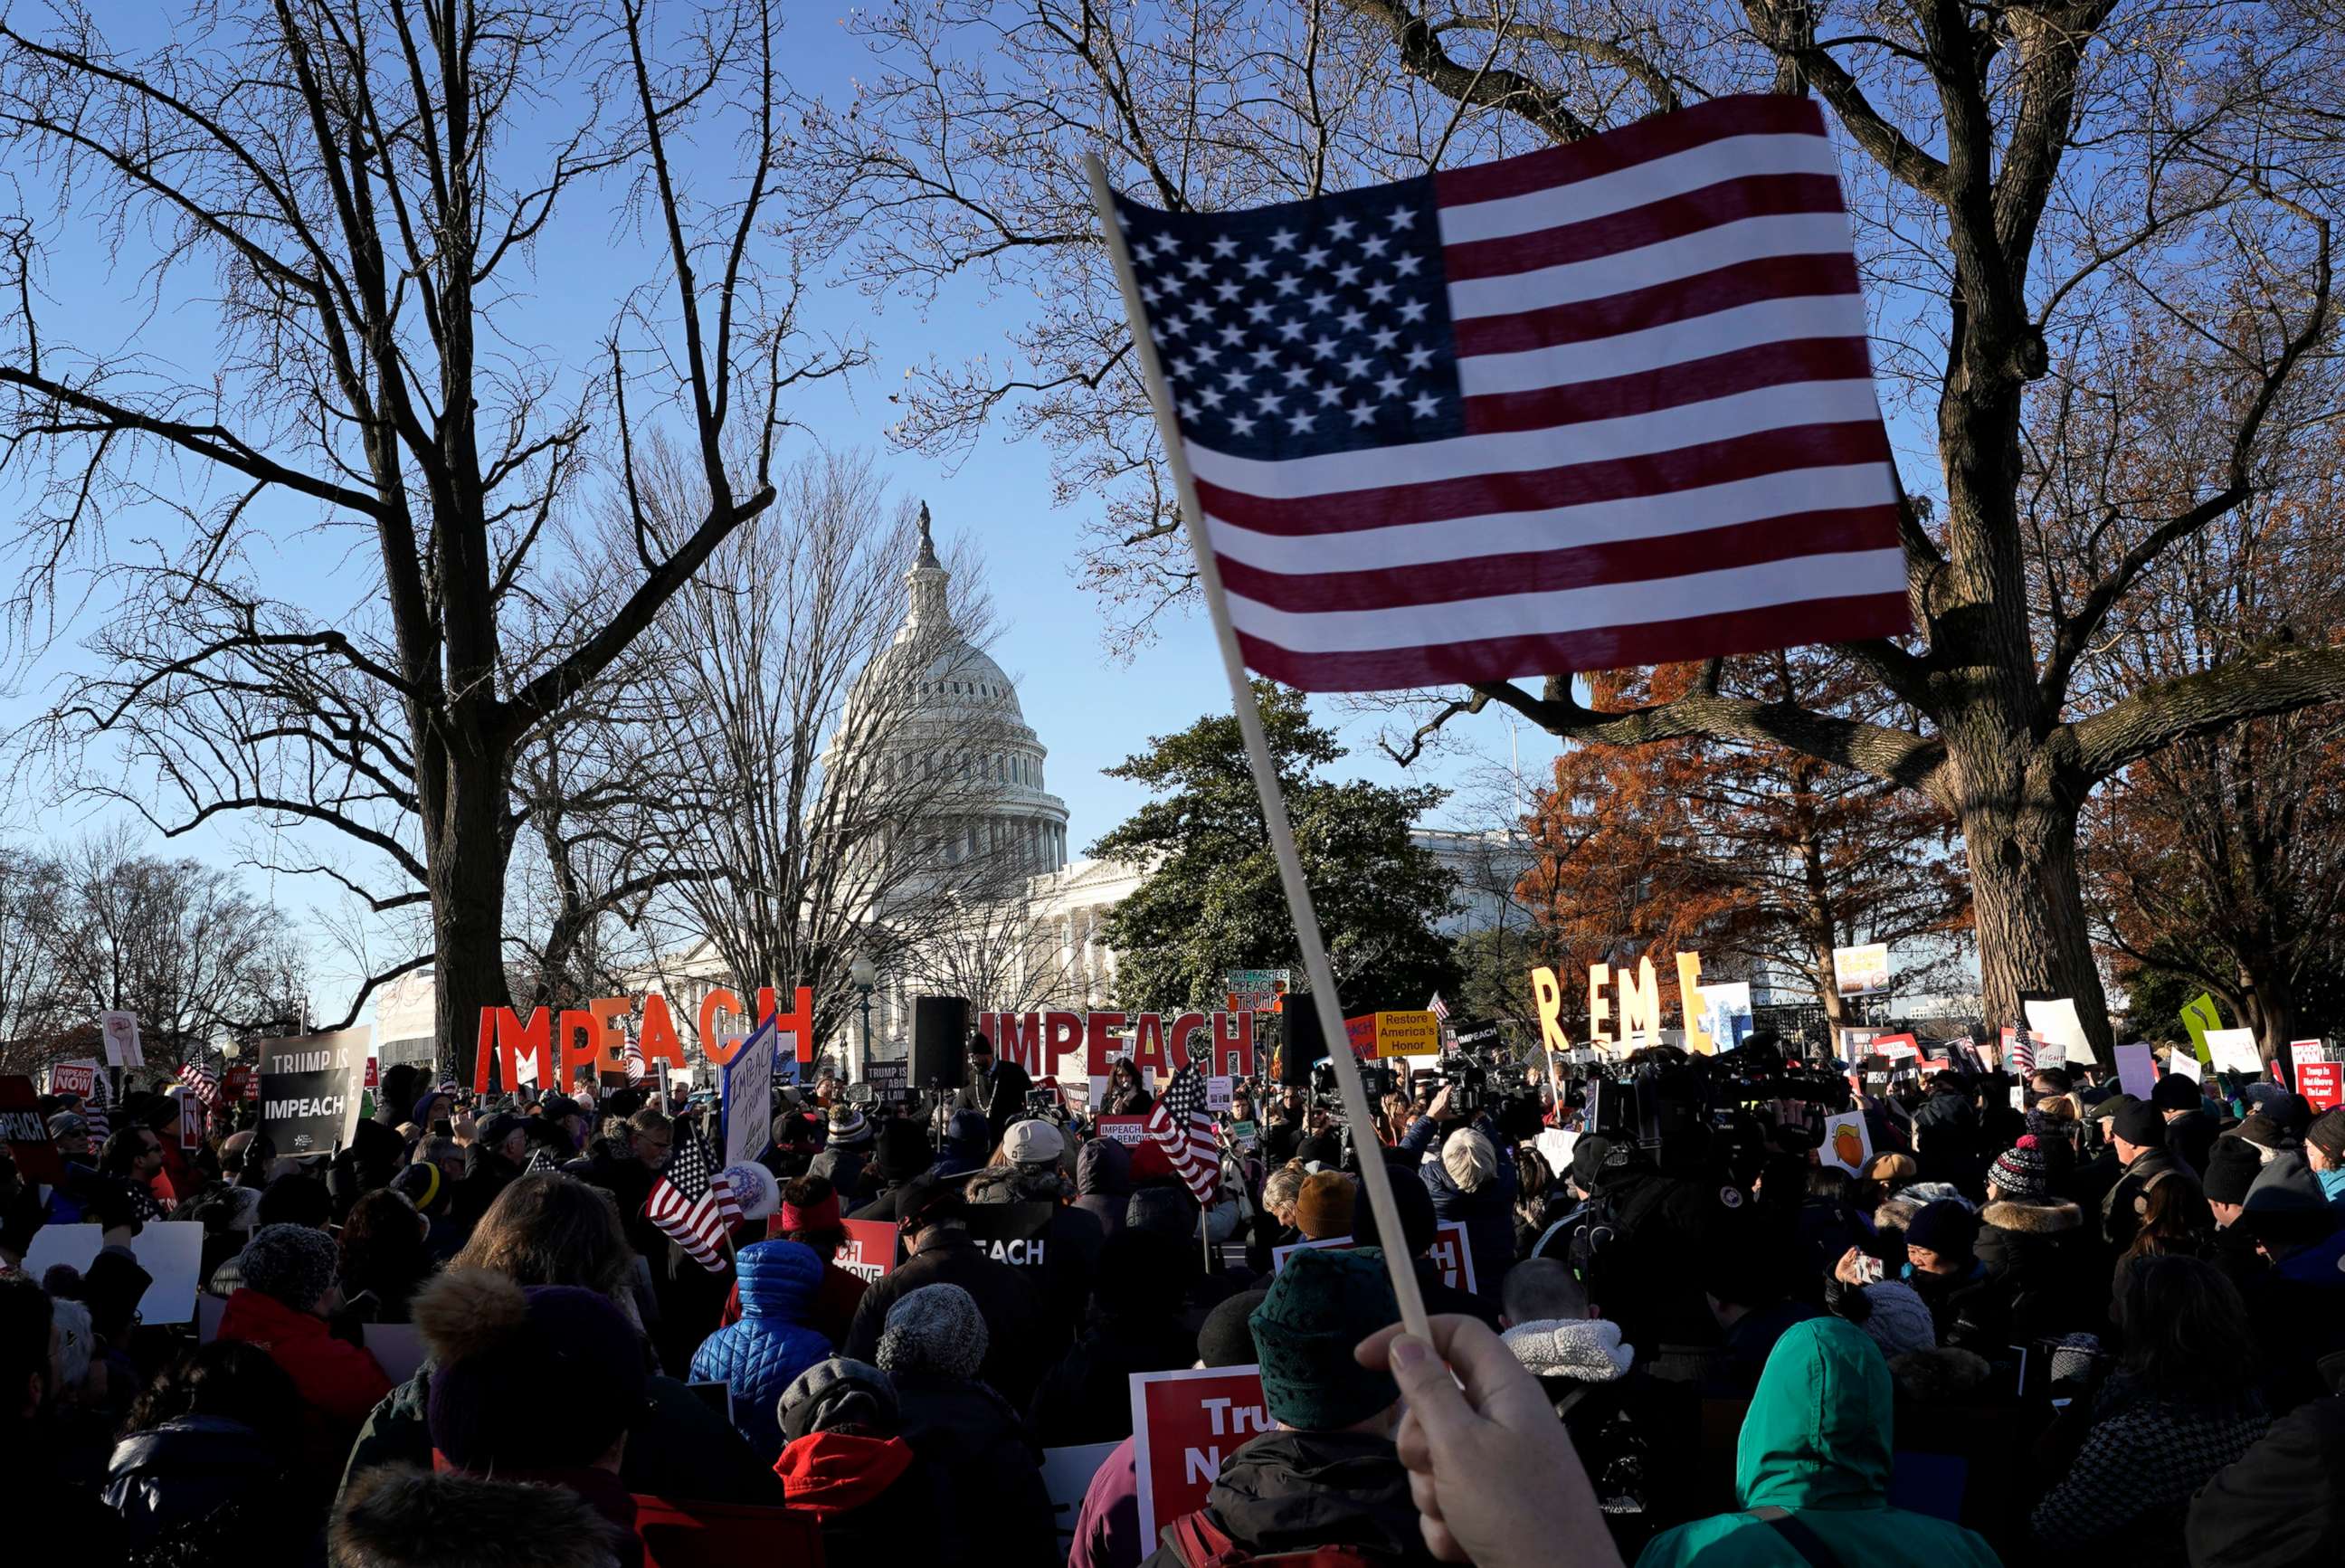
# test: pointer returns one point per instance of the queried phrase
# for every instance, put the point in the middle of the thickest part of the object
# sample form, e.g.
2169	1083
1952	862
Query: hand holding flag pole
1373	1173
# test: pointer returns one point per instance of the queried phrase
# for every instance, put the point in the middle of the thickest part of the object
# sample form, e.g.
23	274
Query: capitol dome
941	719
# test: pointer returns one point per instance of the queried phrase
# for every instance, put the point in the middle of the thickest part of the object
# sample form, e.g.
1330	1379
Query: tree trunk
466	849
2021	839
2269	1008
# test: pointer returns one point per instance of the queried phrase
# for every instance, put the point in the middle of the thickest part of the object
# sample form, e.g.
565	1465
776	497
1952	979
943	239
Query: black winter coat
1017	1351
2282	1503
163	1481
987	1472
1087	1398
2046	1266
1289	1491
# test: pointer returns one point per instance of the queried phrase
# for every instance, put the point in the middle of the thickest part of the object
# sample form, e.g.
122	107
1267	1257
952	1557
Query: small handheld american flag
1181	1122
685	1205
202	1083
1598	405
2023	1050
541	1163
1438	1008
93	1111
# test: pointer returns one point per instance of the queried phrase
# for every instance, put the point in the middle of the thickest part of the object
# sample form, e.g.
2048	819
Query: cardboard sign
1129	1131
1255	990
2234	1051
121	1033
2199	1016
2137	1071
73	1078
871	1251
889	1080
1848	1142
1862	971
2299	1052
170	1251
1360	1033
27	1134
2323	1084
745	1088
310	1088
1896	1046
1408	1035
2055	1022
1184	1425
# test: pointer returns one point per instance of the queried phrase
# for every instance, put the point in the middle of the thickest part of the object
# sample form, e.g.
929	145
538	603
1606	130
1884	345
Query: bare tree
839	760
1002	953
351	193
2043	193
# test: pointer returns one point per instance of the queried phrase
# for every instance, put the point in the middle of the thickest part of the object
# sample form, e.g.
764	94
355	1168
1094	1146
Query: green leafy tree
1211	900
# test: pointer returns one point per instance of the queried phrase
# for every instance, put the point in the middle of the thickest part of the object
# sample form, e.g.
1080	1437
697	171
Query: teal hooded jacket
1816	1443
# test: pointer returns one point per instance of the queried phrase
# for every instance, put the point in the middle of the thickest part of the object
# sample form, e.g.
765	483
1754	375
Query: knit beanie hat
291	1263
1947	1227
2020	1173
1899	1323
2140	1123
1419	1224
1164	1210
935	1329
1322	1210
1469	1159
2175	1092
1320	1306
2232	1167
543	1377
2327	1134
835	1394
1589	1158
847	1126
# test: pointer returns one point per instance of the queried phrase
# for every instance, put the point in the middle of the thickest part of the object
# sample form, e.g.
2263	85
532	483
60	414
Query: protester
845	1150
2324	1154
385	1256
2162	1426
1587	1372
2033	1247
934	1344
2137	1133
2190	1130
210	1466
399	1517
1135	1326
493	1163
935	1227
1103	1182
288	1291
1126	1095
2281	1504
846	1463
996	1091
902	1156
1419	1229
1469	1184
763	1354
1323	1206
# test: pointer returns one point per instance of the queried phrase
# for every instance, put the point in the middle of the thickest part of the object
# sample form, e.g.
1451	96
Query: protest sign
80	1078
309	1087
2199	1016
870	1250
745	1086
27	1134
121	1032
1128	1131
2183	1064
191	1122
1448	1253
889	1080
397	1348
1361	1035
1896	1046
2057	1030
1067	1475
1726	1012
2323	1084
2137	1071
1255	990
1245	1134
240	1082
1408	1035
1183	1424
2299	1052
1160	1043
2234	1051
1862	971
1848	1142
1218	1092
171	1253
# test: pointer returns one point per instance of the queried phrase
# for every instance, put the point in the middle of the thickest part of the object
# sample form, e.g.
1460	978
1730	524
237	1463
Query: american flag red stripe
1603	405
683	1206
1181	1122
202	1083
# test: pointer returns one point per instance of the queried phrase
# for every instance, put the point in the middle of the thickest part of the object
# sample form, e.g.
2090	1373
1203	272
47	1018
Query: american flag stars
1304	329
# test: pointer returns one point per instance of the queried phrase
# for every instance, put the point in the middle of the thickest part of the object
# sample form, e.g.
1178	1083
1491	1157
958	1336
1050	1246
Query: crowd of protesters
2043	1316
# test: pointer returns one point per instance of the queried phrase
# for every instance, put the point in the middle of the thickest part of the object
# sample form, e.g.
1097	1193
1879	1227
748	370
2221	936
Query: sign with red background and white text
871	1251
1184	1424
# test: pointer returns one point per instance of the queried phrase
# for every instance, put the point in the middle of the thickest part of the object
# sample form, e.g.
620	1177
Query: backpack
1201	1543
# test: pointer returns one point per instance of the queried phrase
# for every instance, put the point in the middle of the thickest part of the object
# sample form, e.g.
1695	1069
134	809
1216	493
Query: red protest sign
1184	1425
240	1082
191	1122
1362	1035
870	1250
27	1137
73	1078
2323	1084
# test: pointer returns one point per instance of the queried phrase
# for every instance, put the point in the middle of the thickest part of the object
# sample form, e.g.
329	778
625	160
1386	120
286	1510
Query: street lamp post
865	975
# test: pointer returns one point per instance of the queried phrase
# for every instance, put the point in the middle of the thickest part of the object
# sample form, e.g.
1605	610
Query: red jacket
338	1382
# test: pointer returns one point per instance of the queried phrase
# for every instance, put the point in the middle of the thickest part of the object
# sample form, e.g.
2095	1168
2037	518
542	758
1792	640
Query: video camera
1375	1082
1468	1082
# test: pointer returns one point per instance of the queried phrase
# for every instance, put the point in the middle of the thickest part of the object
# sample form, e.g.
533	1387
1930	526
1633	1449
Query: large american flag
1599	405
1181	1122
684	1205
202	1083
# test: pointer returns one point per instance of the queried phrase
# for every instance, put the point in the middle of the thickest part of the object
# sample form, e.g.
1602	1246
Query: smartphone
1870	1269
441	1127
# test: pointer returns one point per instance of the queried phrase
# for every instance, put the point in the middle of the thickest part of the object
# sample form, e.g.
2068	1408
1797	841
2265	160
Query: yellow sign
2198	1015
1408	1035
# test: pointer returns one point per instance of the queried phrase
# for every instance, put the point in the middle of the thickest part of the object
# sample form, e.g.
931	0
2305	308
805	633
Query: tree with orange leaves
1760	857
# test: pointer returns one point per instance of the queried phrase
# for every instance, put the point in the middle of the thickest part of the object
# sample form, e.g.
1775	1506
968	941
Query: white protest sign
1862	971
2183	1064
2137	1071
1848	1142
2299	1052
170	1250
1217	1094
2234	1051
121	1032
2054	1024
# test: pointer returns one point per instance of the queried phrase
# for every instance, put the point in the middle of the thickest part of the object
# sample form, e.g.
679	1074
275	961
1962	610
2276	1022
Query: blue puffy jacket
759	1356
1487	1213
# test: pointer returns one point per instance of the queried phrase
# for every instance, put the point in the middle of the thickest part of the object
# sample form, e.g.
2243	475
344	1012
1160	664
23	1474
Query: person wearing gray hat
846	1463
932	1348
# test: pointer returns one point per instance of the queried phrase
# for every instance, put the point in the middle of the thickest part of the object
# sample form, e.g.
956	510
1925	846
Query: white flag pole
1373	1173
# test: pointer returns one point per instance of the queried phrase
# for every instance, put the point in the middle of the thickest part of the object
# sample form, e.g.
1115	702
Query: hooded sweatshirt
1816	1444
831	1474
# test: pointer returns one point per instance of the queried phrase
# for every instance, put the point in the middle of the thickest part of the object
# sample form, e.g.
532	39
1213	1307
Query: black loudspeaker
939	1039
1303	1045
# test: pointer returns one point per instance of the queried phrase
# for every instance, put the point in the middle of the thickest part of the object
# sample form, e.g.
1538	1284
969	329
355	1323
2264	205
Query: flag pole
1373	1175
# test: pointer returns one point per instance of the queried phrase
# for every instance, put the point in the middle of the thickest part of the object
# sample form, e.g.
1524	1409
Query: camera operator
1639	1239
1458	1146
995	1089
1282	1138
